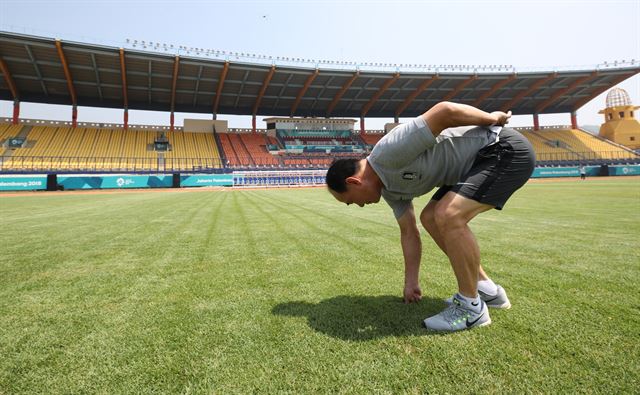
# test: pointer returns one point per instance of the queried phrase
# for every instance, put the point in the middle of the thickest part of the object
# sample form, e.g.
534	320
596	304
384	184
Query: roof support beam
421	88
244	81
362	90
176	65
378	94
265	84
149	77
123	73
12	88
322	89
195	94
459	88
95	69
306	86
8	79
493	90
341	92
37	69
223	76
526	92
615	82
561	92
67	73
396	93
284	86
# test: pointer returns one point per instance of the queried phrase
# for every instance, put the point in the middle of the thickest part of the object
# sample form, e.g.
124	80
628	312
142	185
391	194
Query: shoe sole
504	306
488	322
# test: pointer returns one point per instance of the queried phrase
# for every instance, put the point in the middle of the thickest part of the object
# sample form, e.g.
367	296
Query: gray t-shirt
410	161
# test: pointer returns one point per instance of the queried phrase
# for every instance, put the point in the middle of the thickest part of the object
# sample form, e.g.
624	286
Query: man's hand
500	118
412	293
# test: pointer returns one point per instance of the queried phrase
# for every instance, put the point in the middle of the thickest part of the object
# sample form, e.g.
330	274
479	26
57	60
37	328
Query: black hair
340	170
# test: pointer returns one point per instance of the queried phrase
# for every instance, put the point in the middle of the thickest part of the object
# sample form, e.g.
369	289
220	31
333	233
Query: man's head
353	181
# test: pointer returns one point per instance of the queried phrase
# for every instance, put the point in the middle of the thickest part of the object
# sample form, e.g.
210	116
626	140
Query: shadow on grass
360	318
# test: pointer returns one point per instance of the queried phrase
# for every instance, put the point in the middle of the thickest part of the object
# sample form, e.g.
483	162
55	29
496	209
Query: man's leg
452	215
466	309
428	220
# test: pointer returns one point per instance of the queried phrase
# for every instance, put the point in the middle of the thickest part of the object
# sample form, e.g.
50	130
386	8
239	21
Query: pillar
395	119
361	125
74	116
574	120
253	124
126	119
536	122
16	112
171	120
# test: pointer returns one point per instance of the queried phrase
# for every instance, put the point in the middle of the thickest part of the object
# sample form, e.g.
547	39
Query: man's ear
353	180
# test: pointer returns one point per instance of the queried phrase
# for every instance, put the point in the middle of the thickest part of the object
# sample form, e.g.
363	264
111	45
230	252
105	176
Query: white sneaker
497	301
457	317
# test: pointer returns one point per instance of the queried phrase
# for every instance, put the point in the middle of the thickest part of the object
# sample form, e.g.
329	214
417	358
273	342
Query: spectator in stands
477	168
583	172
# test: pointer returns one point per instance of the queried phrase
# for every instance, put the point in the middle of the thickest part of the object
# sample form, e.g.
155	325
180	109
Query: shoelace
455	313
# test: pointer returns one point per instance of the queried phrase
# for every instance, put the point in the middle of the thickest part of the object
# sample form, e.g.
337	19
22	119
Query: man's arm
449	115
412	251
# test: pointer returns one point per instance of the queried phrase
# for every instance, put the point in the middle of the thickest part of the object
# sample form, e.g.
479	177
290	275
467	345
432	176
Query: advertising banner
543	172
23	183
631	170
206	180
114	181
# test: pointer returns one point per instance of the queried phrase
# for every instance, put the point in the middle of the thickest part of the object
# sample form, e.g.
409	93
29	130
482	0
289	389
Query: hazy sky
525	34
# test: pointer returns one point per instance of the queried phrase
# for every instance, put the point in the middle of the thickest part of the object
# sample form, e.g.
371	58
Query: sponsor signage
206	180
16	142
115	182
21	183
633	170
545	172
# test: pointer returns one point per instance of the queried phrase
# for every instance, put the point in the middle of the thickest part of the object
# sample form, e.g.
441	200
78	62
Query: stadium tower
620	124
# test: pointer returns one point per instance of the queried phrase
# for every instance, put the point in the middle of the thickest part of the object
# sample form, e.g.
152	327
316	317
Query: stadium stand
7	131
192	151
241	151
61	148
371	138
64	148
105	149
256	146
564	145
229	151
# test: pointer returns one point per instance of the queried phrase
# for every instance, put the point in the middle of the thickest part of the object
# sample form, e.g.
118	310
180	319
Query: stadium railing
30	164
588	157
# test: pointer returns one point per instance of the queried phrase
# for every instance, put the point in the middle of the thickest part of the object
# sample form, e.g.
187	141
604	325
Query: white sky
540	33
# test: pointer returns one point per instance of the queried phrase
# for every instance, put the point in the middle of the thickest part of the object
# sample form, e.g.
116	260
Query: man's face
357	192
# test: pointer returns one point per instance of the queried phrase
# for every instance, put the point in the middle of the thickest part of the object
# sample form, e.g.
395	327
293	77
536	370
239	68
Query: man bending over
477	165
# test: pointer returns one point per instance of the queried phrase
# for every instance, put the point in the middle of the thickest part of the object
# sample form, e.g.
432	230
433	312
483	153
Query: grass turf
272	291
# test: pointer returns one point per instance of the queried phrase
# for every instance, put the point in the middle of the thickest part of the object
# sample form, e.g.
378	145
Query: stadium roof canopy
45	70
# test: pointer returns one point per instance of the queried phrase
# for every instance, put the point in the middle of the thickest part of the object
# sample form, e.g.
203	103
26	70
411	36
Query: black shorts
497	172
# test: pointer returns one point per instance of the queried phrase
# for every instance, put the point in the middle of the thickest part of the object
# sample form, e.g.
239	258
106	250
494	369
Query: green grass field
271	291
